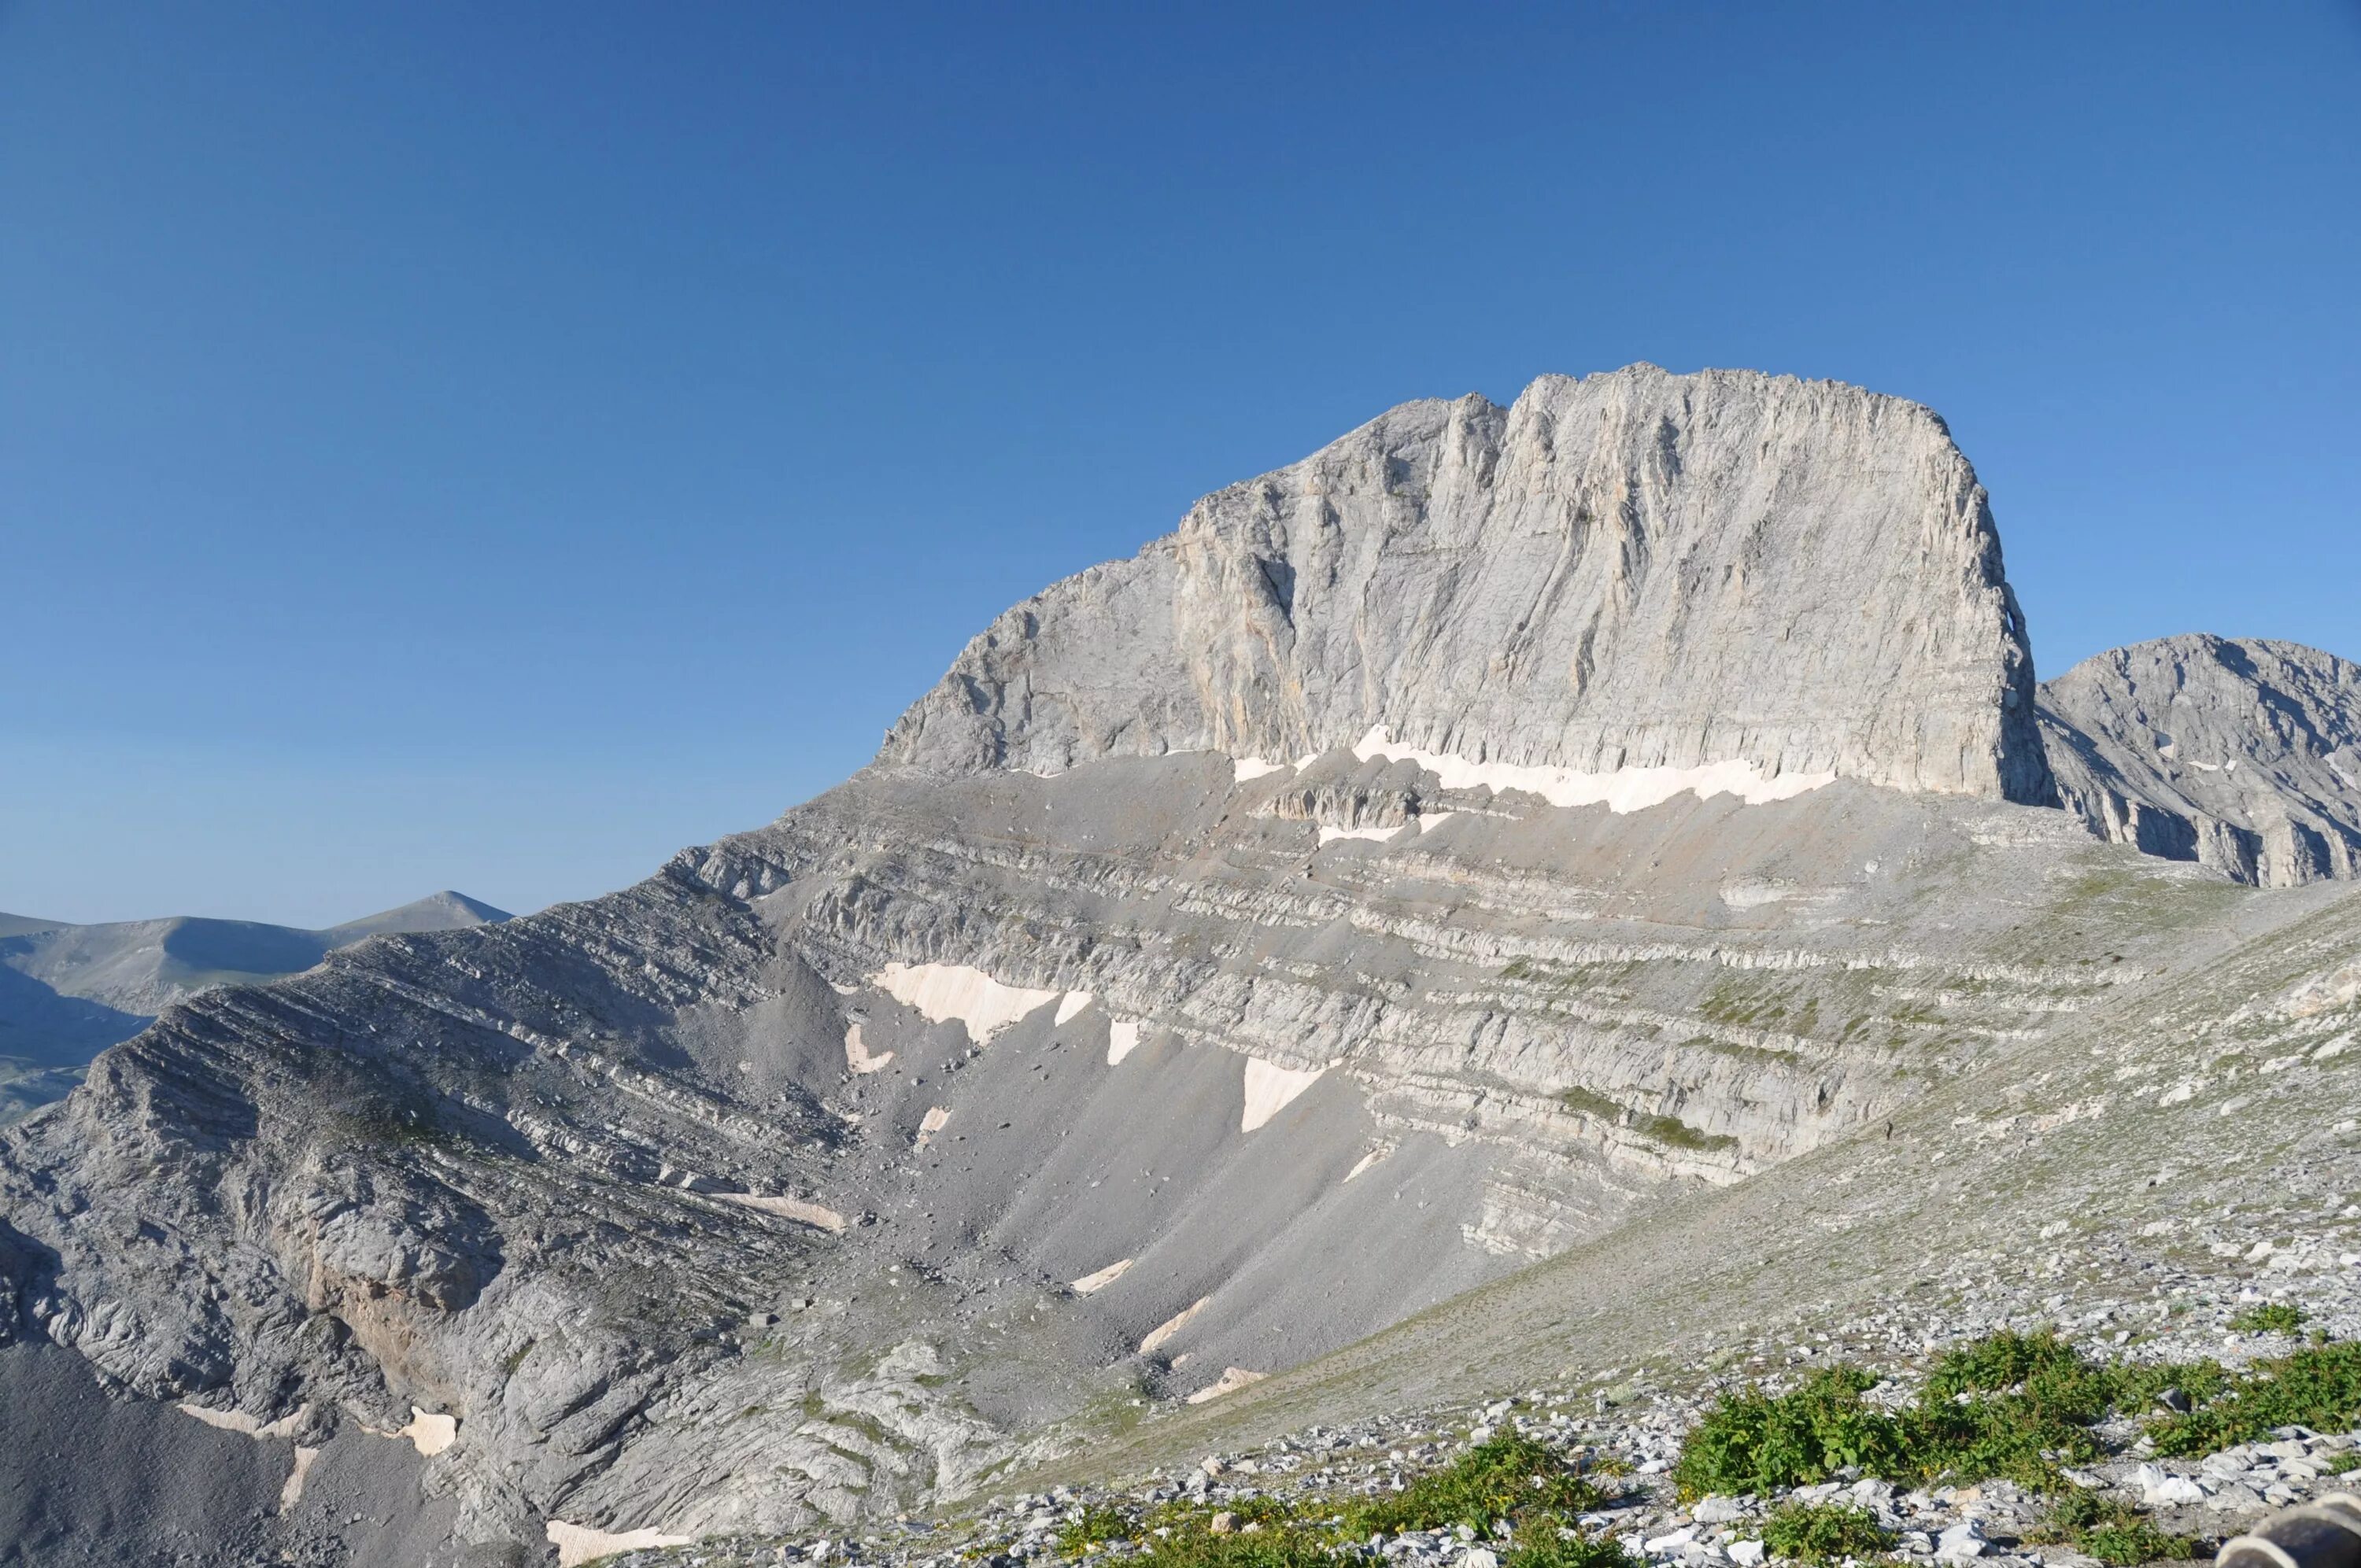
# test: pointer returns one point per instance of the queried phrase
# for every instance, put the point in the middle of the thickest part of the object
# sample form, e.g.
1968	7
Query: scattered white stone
1961	1542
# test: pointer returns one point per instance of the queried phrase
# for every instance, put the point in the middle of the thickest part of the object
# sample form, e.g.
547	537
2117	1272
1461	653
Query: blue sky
492	446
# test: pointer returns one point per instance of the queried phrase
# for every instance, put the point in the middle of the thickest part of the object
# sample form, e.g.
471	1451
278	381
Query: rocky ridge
2242	754
69	990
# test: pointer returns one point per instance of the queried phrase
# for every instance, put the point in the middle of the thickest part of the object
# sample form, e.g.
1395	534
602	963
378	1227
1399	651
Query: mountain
2242	754
443	911
67	991
1749	579
1499	867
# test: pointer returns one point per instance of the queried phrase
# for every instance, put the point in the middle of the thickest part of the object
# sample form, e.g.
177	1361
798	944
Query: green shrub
2318	1387
2271	1317
1754	1441
2115	1533
1265	1547
1823	1532
2012	1405
1510	1477
1549	1548
1100	1523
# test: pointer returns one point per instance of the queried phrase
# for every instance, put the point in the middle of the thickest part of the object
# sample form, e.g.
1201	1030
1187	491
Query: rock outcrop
1784	579
2242	754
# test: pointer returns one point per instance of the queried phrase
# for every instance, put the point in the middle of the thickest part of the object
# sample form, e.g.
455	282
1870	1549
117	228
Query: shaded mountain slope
2240	753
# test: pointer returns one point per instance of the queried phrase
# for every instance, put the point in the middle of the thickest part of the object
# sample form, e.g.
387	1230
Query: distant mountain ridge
69	990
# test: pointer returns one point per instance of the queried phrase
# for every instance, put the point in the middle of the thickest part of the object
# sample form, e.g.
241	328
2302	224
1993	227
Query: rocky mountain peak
2239	752
1772	578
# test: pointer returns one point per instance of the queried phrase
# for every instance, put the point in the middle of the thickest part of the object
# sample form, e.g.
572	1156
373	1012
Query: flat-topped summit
1766	577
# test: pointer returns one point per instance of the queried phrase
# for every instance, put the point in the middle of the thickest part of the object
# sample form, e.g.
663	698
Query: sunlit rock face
1777	579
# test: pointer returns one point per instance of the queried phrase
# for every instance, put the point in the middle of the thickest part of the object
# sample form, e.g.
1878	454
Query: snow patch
578	1543
1429	822
937	1118
1172	1325
1075	1001
1330	835
290	1492
1368	1159
856	1055
795	1208
1620	790
1123	1038
941	992
239	1422
1247	768
1089	1284
1269	1087
1232	1379
430	1431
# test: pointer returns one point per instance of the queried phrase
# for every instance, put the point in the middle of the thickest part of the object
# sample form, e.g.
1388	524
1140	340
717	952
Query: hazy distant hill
67	992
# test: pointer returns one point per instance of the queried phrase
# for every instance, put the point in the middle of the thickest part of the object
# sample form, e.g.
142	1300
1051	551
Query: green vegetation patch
2014	1405
2272	1316
2115	1533
2318	1387
1509	1479
1823	1532
1681	1135
1667	1130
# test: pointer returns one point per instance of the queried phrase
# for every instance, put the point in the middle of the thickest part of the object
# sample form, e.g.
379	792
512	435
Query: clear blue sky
492	446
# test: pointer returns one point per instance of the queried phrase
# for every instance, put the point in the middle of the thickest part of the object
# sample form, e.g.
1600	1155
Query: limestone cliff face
1631	570
2239	753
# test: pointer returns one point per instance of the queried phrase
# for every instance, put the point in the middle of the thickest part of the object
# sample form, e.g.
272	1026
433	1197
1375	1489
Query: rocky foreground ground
2247	1299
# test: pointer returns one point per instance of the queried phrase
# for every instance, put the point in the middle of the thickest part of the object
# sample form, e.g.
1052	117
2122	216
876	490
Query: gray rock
1634	570
2242	754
